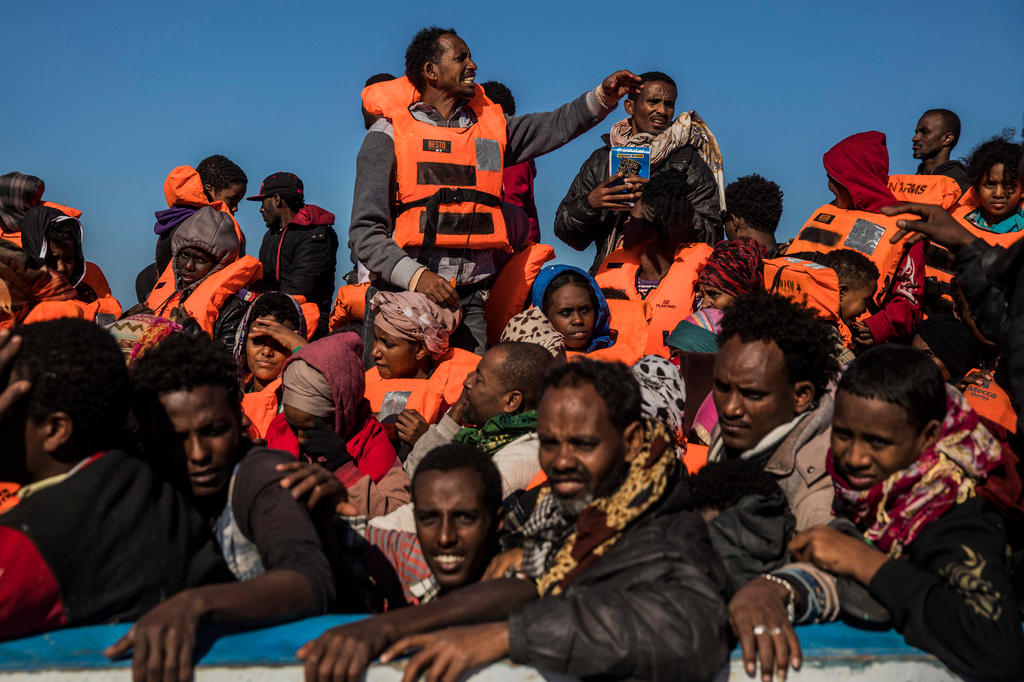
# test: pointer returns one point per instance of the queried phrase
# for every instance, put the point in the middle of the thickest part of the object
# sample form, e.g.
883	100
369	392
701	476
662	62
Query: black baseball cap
278	183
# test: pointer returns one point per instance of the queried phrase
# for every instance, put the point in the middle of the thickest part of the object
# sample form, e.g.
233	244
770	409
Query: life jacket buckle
453	195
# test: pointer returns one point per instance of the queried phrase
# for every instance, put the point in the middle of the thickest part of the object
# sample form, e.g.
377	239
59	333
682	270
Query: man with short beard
935	135
614	540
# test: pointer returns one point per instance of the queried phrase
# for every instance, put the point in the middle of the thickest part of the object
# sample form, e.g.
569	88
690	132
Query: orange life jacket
540	479
261	407
696	457
205	302
184	187
992	402
968	205
105	301
630	323
830	228
349	305
310	314
449	179
45	311
511	290
809	284
451	372
670	302
940	190
8	496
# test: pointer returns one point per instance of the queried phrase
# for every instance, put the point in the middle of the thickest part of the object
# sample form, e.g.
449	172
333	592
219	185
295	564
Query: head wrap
532	326
414	317
338	358
18	193
951	342
735	266
601	337
698	332
137	334
307	389
33	236
662	392
860	163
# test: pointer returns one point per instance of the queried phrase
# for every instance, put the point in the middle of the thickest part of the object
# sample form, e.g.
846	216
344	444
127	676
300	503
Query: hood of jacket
860	163
208	230
18	193
310	215
33	237
183	187
601	336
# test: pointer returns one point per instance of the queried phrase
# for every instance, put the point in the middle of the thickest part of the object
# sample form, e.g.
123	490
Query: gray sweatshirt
369	237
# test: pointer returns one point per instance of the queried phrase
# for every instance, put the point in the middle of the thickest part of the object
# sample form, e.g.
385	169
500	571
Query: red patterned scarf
893	512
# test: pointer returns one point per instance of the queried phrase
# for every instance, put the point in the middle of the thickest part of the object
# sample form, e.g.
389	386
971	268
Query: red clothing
369	447
518	185
860	163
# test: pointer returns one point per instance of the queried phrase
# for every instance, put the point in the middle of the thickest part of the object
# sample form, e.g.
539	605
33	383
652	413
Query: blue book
630	161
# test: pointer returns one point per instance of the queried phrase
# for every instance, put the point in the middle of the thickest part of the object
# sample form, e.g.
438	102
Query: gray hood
208	230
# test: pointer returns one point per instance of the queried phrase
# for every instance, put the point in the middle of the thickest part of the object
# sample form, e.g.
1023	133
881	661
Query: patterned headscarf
662	393
893	512
18	193
697	333
413	316
137	334
735	266
533	326
558	548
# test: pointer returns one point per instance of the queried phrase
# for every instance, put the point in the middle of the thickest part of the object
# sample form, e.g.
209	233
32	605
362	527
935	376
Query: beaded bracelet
791	601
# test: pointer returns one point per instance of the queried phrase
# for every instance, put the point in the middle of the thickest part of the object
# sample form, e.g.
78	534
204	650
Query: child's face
61	258
873	439
998	198
853	302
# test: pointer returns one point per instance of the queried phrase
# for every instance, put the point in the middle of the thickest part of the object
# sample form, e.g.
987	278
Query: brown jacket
798	463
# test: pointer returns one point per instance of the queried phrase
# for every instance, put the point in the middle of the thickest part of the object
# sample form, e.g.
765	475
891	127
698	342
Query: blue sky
103	99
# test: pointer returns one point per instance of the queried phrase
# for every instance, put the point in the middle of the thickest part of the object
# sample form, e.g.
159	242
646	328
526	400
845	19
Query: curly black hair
425	47
757	200
182	362
652	77
666	197
378	78
900	375
500	94
76	367
277	305
993	151
463	456
220	172
807	342
853	268
720	485
523	370
66	233
613	381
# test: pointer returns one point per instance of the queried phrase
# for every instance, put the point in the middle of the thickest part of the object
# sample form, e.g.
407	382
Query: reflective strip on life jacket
511	290
389	397
205	302
830	229
460	169
670	302
809	284
940	190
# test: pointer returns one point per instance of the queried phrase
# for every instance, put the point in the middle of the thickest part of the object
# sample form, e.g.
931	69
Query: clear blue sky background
101	100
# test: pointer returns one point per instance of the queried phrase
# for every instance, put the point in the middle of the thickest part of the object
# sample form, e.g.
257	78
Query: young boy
909	463
755	208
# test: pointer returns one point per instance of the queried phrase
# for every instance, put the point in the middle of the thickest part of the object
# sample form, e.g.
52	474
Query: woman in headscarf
326	420
56	239
533	326
416	372
693	345
663	396
272	329
734	268
575	307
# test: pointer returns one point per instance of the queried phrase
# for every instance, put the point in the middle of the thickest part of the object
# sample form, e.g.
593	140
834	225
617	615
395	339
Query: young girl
909	462
996	206
575	307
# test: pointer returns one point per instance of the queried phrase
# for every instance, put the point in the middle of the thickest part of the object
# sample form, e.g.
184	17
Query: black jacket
579	225
653	607
952	595
953	169
300	258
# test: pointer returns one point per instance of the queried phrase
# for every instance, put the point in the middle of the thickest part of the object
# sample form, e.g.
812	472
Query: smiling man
595	209
426	214
618	575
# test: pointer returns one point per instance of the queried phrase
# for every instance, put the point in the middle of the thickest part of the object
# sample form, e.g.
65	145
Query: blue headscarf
601	336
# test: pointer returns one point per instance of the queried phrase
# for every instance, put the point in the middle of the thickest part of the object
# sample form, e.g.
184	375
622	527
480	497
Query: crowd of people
707	440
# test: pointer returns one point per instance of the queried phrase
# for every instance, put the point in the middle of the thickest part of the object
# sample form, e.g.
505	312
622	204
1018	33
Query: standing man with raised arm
426	213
